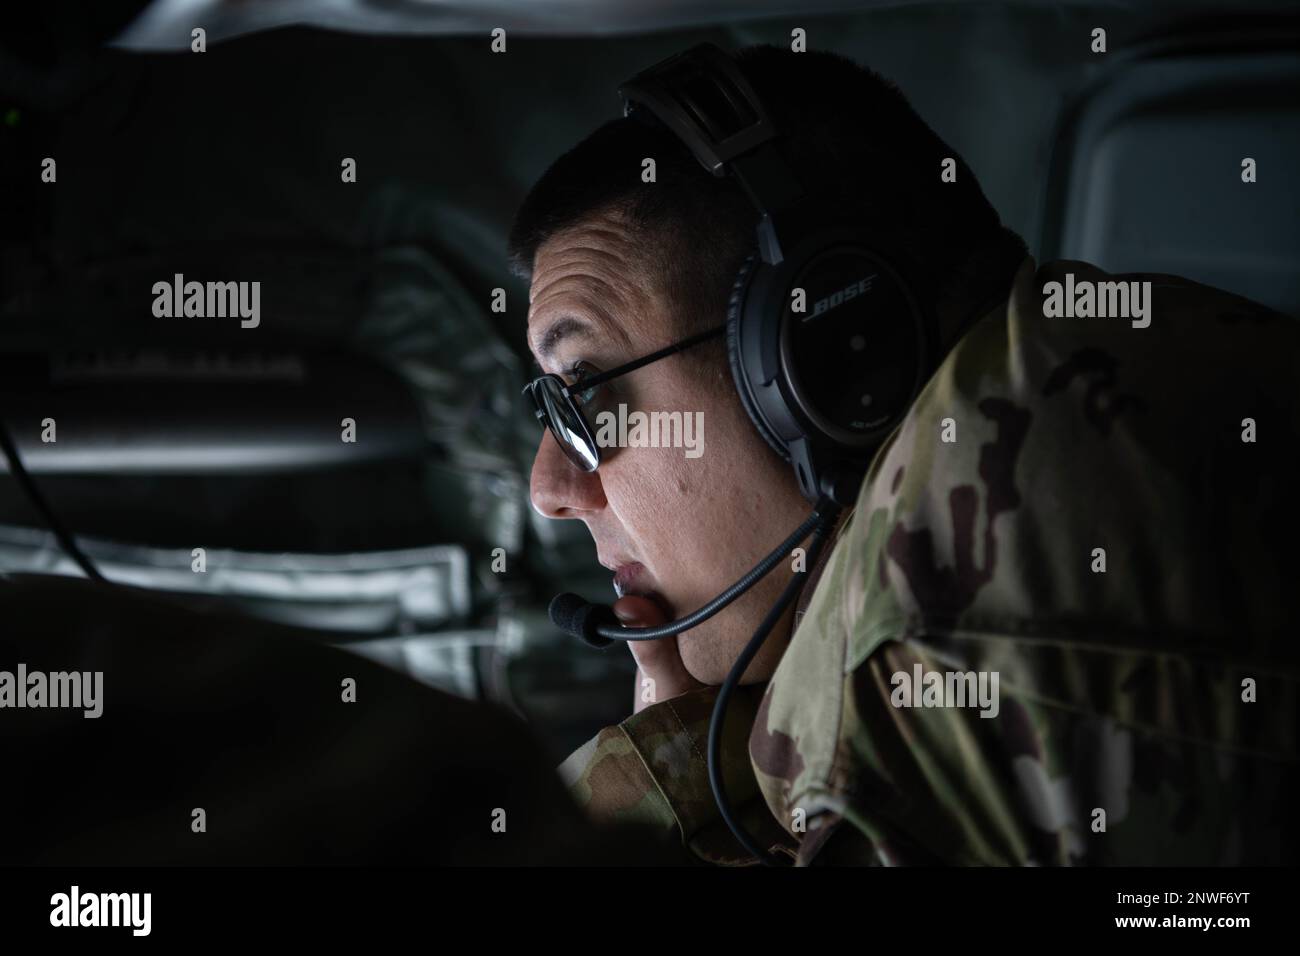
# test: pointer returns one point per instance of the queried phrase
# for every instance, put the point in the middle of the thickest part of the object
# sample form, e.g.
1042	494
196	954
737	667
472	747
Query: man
1052	630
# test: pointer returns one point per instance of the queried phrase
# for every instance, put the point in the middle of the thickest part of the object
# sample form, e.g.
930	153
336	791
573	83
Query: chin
707	656
699	653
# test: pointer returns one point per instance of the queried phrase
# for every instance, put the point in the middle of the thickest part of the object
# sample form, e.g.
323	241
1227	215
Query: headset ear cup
735	315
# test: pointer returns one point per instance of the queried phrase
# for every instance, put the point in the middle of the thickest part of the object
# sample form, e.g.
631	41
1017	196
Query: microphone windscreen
564	612
573	615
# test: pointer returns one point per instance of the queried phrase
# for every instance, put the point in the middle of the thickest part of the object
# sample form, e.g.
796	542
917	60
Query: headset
827	339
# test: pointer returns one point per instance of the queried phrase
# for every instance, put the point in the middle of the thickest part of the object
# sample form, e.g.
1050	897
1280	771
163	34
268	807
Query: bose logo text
822	306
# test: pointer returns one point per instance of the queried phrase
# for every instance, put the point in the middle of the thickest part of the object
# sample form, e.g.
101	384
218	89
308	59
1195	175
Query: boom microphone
570	613
597	625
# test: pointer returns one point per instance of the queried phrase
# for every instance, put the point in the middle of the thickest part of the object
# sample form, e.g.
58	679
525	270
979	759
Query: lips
630	578
634	579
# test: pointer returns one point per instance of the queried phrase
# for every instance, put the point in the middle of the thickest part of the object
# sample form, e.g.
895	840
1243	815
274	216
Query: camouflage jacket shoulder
1056	627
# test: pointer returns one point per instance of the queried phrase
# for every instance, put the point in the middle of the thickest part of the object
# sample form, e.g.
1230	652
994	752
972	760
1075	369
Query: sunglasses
559	404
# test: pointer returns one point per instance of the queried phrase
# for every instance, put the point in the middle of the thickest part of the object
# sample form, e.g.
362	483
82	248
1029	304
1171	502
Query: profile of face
675	528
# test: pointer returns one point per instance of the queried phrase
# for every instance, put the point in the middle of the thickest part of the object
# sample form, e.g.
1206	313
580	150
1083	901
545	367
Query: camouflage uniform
1120	691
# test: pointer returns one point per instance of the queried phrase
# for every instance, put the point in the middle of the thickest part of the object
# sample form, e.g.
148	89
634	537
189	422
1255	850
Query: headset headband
703	99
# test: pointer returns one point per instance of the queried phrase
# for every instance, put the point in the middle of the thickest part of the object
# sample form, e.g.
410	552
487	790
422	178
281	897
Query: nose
560	489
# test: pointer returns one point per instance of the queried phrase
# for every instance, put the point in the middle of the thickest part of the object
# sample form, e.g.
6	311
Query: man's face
676	529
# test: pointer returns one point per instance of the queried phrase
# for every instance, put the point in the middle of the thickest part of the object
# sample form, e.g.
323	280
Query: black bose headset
827	340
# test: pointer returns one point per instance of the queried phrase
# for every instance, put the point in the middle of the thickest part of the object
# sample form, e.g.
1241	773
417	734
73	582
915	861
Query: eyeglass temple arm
600	379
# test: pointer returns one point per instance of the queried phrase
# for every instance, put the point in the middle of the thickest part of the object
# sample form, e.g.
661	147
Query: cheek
654	492
677	509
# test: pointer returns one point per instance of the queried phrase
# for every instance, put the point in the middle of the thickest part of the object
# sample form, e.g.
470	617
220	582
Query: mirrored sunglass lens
570	431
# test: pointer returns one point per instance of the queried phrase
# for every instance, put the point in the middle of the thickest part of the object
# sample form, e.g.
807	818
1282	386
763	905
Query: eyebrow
558	330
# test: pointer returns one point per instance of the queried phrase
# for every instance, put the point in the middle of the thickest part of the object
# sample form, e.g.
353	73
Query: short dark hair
850	135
